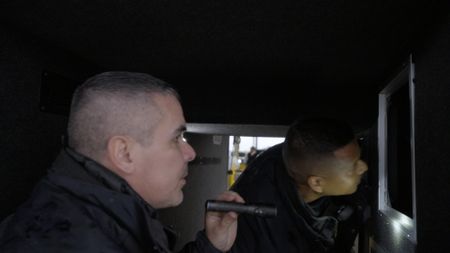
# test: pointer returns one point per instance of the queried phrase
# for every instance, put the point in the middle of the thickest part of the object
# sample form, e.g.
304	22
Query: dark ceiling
321	57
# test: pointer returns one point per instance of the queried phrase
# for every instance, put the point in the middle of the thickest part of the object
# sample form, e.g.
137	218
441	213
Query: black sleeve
200	245
246	237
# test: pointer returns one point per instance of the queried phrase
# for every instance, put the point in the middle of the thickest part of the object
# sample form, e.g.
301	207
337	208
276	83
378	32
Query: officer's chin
350	190
355	188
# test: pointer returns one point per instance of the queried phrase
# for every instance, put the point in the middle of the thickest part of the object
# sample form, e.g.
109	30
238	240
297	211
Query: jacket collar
93	183
322	229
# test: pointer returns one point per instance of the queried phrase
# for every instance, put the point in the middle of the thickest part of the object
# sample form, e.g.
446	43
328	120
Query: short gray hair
114	103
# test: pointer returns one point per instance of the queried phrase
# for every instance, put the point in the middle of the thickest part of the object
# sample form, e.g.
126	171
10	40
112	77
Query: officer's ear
119	150
316	183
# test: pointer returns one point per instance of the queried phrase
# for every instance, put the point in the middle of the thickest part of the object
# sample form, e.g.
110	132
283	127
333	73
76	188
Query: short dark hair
107	103
313	139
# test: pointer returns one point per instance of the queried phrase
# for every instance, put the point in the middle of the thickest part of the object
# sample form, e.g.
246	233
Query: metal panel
393	230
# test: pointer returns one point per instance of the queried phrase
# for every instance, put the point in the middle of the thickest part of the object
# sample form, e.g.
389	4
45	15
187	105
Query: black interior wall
433	141
29	138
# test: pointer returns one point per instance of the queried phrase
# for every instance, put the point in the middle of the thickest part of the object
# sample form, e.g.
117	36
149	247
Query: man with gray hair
126	157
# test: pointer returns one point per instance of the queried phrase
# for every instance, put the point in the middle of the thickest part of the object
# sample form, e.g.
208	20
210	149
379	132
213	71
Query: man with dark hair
126	157
306	177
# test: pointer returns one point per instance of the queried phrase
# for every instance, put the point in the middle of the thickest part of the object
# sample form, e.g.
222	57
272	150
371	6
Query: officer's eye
181	137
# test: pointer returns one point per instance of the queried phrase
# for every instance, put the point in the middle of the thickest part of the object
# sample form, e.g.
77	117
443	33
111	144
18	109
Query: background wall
433	141
29	138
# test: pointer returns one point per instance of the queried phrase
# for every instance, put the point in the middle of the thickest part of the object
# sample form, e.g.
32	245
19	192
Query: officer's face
347	170
161	166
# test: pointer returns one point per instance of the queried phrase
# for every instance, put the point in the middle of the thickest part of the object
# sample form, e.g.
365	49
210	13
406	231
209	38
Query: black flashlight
261	210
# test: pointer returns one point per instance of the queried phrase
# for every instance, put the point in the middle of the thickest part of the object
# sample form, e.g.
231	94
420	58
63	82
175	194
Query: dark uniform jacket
81	206
329	224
